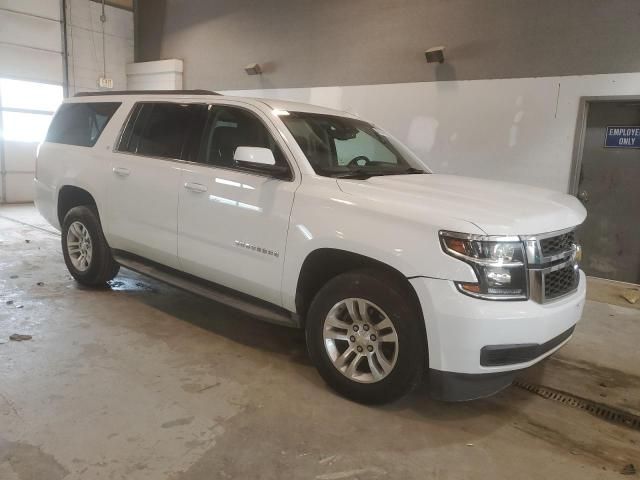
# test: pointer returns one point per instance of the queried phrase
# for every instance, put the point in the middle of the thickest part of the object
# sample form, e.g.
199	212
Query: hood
497	208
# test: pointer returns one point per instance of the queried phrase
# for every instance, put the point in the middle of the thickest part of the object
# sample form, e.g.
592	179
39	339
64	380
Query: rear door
145	177
233	220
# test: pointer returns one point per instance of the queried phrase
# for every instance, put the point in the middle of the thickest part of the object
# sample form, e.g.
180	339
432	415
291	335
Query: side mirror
254	155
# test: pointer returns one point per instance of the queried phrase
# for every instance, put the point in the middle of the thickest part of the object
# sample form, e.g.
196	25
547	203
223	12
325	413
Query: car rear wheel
86	252
364	335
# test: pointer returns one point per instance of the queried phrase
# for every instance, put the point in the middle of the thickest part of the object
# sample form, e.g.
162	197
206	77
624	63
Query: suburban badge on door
255	248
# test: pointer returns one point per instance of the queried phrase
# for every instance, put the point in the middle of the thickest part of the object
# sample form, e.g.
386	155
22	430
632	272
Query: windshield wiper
364	173
357	173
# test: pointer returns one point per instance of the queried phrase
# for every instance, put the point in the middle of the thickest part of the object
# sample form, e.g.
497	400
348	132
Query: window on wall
27	109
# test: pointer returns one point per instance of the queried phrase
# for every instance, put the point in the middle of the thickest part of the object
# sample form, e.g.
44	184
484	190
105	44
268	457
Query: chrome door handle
195	187
121	172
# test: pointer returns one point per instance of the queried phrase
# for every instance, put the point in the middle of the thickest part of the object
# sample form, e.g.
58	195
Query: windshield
345	147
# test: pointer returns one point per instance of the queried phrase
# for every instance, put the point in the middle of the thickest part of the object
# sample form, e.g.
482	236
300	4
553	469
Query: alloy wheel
361	340
79	246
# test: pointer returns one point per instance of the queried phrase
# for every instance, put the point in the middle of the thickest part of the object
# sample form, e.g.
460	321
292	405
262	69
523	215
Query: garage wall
87	51
30	40
30	49
308	43
504	104
31	46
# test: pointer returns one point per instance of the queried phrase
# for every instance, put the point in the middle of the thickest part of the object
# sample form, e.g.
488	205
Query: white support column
157	75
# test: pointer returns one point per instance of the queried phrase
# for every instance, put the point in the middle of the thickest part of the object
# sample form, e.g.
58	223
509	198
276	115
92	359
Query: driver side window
229	128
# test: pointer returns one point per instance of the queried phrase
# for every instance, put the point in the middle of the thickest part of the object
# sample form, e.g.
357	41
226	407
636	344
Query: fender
325	217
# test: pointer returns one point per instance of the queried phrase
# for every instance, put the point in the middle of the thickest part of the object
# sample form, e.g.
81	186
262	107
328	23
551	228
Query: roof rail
145	92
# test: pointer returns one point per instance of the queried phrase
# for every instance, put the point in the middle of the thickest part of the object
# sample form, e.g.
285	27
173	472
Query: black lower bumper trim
459	387
499	355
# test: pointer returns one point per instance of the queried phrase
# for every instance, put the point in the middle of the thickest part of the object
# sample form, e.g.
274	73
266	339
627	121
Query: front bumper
459	327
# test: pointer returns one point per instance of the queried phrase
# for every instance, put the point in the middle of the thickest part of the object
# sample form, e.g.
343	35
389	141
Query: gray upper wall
304	43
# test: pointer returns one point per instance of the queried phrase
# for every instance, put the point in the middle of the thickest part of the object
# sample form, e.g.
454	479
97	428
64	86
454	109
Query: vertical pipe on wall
136	31
65	49
103	19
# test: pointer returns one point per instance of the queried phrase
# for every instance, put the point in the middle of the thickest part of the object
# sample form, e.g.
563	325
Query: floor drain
597	409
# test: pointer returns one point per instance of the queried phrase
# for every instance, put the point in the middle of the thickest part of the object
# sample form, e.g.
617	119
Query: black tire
399	305
102	267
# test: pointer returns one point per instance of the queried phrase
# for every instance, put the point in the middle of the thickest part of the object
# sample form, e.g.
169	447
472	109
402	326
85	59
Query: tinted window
80	123
229	128
162	129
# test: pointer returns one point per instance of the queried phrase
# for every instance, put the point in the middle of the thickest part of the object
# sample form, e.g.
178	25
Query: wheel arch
323	264
70	196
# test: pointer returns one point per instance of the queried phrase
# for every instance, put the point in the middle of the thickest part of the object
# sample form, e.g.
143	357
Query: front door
233	220
609	188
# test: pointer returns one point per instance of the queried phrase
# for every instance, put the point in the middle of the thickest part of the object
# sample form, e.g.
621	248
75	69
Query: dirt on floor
614	293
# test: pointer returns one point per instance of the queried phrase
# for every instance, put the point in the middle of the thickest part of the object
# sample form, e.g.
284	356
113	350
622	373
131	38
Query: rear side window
163	129
80	123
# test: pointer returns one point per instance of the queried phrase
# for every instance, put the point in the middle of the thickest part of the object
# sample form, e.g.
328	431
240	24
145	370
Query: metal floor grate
610	414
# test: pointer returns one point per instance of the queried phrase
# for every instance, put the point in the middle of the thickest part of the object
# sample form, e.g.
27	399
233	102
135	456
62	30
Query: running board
245	303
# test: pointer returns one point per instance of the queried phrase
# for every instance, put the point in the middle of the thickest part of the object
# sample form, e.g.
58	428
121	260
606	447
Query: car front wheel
364	335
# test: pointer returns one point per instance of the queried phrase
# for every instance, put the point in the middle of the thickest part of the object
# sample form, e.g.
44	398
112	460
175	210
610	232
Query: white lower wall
519	130
20	166
156	75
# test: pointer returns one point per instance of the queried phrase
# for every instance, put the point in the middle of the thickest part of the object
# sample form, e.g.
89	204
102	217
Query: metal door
609	187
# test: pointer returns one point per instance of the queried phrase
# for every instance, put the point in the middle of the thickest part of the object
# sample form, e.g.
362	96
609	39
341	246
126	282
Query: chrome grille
551	263
560	282
558	244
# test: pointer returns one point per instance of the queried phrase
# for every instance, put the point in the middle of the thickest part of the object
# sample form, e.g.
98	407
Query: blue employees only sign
622	137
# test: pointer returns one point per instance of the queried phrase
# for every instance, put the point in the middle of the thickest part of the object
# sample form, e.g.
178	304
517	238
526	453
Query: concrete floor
141	381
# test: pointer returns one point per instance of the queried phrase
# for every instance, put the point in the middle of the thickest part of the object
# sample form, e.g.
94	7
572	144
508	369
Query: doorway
607	181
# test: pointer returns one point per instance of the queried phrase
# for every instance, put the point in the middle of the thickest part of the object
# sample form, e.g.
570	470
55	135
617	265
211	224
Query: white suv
314	218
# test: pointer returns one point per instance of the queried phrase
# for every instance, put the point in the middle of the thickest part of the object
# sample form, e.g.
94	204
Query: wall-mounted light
435	55
253	69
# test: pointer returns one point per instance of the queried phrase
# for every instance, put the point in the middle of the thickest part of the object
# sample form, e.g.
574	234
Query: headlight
498	263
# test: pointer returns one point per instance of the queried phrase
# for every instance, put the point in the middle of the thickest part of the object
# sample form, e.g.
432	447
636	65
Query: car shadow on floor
288	344
214	317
